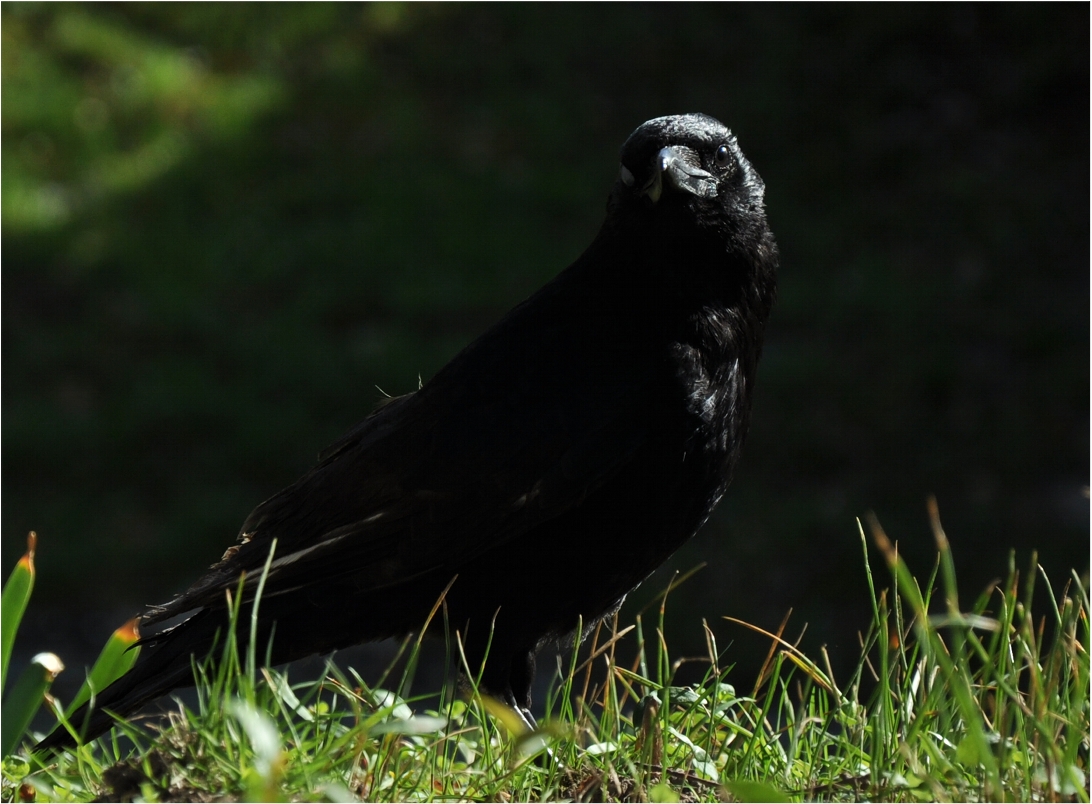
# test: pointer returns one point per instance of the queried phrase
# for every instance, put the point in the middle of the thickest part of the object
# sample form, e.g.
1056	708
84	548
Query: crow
539	476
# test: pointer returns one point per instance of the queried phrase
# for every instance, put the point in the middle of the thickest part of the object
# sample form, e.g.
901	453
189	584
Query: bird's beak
679	167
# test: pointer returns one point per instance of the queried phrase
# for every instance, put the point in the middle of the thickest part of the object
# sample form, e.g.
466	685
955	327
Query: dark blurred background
224	226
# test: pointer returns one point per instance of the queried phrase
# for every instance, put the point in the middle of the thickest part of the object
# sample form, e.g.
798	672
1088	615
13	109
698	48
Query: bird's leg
521	675
524	714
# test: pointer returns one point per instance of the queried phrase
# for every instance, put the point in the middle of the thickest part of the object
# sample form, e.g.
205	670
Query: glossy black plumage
549	467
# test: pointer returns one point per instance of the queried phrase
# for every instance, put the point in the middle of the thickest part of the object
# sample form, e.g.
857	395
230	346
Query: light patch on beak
679	166
655	187
627	177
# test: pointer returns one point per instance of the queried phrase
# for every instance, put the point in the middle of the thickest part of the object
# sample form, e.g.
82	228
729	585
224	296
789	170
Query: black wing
519	428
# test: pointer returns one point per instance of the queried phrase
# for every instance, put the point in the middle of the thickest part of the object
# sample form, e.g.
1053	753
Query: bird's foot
527	718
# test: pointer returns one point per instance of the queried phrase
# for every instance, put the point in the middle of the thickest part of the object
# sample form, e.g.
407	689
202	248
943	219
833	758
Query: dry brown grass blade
794	655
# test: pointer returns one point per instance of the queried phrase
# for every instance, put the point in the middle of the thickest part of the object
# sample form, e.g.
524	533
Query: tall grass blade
13	604
26	697
115	660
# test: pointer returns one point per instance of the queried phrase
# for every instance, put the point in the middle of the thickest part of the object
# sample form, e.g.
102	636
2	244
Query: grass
990	702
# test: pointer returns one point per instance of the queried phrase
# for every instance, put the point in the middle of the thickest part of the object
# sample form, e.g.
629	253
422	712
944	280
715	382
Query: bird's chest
708	390
694	429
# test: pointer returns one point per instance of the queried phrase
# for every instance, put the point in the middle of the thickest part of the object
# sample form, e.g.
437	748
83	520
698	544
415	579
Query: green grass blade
26	696
266	755
252	646
975	747
14	603
746	790
115	660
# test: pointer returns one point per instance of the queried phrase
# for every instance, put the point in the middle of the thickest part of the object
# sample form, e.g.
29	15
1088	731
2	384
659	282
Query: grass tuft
946	703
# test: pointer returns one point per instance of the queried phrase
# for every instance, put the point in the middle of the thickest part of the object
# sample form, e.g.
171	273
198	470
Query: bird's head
686	166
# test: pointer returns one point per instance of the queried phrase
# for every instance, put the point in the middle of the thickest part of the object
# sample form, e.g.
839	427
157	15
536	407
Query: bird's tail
164	665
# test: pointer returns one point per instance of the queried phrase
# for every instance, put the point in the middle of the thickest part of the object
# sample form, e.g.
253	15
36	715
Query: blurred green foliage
225	224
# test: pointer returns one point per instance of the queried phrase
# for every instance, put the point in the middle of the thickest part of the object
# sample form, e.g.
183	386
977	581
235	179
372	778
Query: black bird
548	469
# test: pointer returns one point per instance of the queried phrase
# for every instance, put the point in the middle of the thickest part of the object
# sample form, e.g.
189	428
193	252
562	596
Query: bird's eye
723	155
